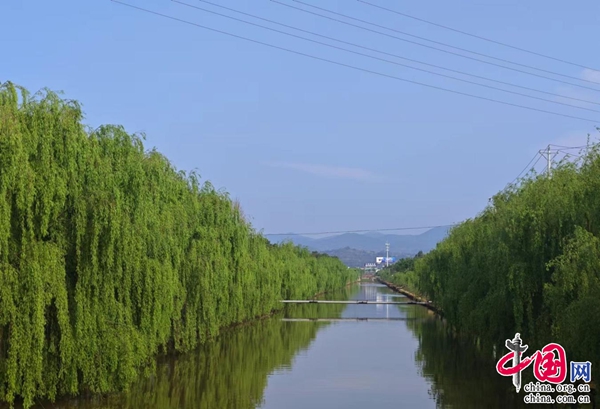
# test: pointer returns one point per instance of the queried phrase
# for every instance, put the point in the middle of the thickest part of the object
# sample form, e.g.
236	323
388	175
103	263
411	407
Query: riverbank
438	311
430	306
297	365
119	256
255	320
350	283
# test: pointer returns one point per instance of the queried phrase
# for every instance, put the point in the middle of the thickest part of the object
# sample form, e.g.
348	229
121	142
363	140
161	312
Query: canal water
409	360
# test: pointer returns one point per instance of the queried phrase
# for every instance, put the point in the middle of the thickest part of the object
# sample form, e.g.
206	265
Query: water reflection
459	376
228	373
411	362
355	364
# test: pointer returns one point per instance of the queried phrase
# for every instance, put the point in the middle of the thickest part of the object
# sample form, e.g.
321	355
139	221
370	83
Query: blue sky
303	144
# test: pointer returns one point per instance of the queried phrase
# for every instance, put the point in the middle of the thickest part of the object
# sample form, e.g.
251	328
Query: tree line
529	263
459	374
230	372
402	273
109	255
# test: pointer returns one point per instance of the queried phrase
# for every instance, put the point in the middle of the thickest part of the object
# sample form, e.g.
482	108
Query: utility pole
547	153
549	162
387	254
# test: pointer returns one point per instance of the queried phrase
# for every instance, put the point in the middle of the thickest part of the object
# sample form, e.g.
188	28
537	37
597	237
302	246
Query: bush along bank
402	278
108	255
402	274
529	263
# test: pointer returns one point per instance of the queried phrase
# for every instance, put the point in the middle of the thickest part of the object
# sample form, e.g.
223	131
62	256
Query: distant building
382	260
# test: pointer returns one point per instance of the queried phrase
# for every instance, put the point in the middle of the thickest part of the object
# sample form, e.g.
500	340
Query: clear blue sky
303	144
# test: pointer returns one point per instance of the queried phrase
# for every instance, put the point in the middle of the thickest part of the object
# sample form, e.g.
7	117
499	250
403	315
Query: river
408	361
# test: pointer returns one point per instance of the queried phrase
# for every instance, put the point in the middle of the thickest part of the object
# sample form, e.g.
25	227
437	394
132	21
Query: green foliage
573	294
402	273
108	255
458	374
230	372
529	263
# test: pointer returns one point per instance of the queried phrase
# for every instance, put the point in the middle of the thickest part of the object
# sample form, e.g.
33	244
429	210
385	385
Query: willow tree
109	255
528	263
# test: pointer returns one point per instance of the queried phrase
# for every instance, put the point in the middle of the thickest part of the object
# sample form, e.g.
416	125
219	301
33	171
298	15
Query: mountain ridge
356	249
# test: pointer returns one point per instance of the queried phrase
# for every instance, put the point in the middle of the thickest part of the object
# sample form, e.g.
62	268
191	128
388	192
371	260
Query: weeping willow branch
108	255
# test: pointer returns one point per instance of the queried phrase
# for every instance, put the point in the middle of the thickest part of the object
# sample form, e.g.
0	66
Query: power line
423	45
349	66
549	155
526	168
569	147
357	231
562	149
458	48
352	66
370	56
567	154
390	54
537	161
479	37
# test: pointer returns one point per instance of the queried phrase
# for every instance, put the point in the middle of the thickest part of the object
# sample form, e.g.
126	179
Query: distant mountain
297	240
353	257
433	236
374	234
358	258
348	246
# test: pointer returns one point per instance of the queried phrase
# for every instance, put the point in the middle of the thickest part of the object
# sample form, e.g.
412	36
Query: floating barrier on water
345	319
353	302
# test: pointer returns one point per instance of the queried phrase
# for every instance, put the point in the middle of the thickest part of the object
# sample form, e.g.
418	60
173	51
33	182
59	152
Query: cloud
330	171
591	75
